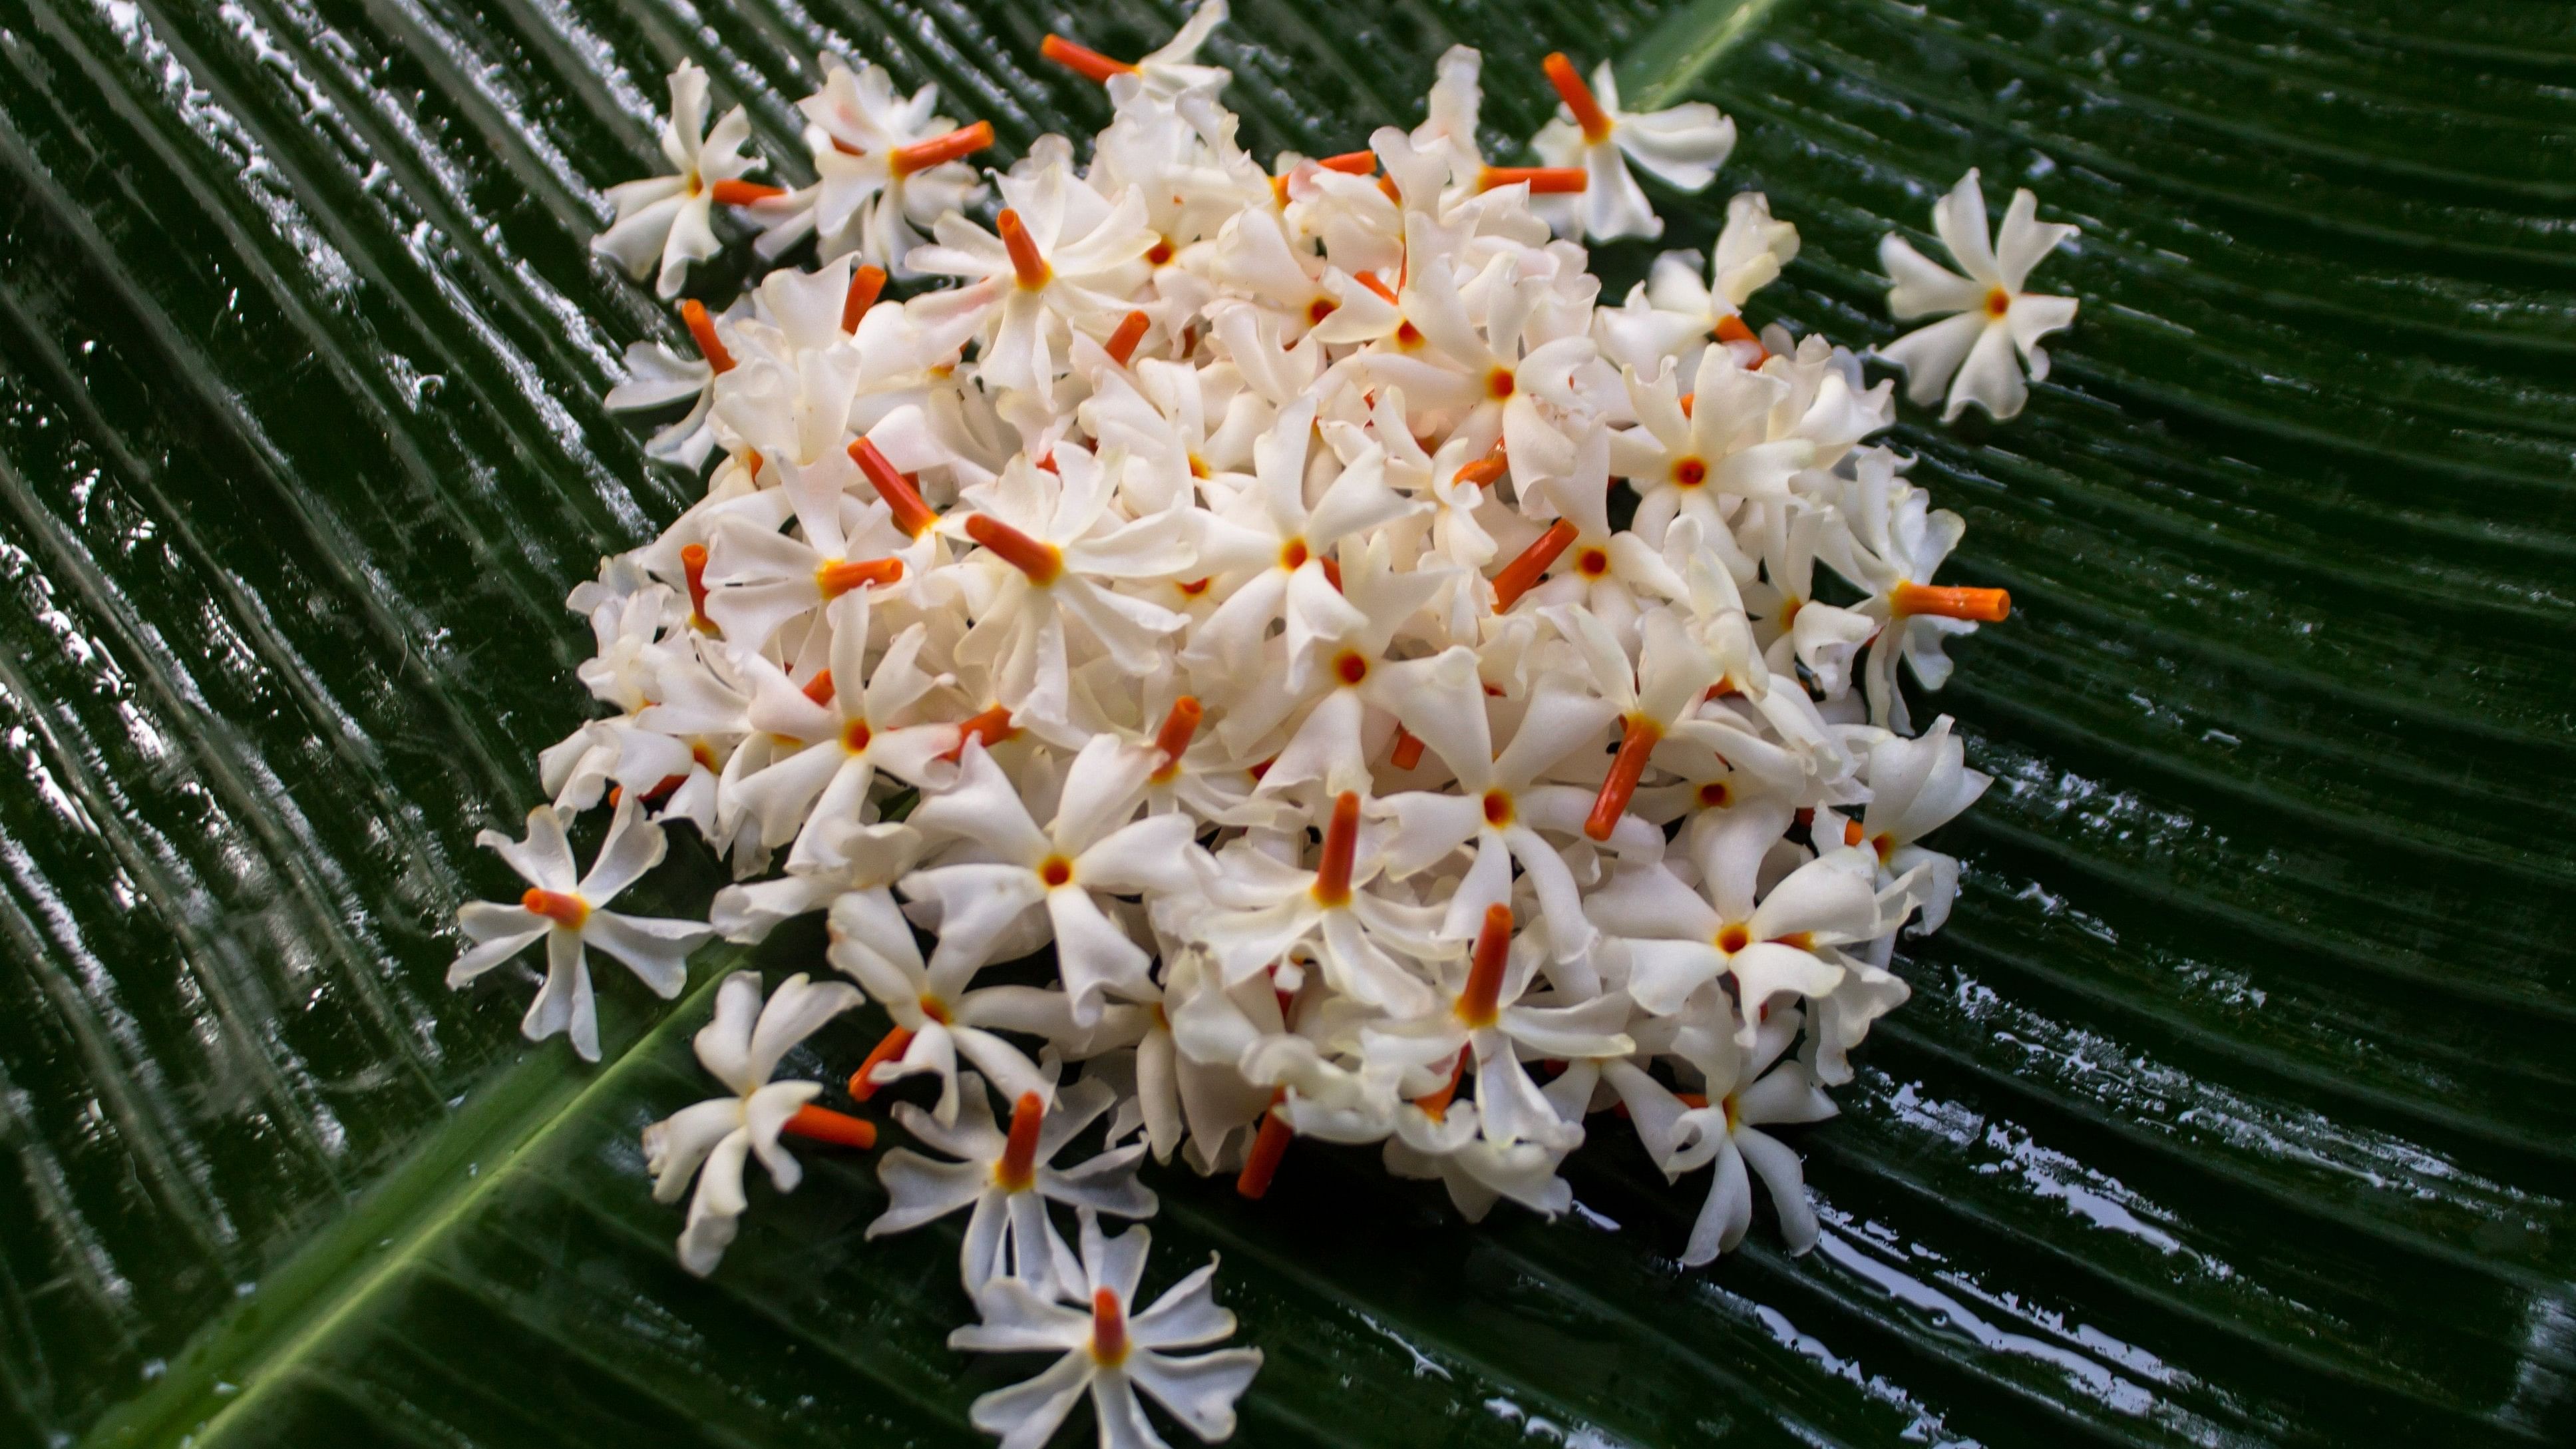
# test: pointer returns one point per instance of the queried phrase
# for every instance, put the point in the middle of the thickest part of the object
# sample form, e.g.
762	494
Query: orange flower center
1055	870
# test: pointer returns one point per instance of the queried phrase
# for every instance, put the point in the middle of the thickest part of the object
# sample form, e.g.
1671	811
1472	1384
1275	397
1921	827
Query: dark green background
2234	1105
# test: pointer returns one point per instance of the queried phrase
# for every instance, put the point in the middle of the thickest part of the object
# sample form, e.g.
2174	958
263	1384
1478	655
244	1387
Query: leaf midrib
235	1361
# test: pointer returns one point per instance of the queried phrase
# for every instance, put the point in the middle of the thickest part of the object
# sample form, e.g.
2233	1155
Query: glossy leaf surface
2235	1105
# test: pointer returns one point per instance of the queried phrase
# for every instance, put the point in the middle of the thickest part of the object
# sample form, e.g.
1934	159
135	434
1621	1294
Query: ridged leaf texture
2235	1105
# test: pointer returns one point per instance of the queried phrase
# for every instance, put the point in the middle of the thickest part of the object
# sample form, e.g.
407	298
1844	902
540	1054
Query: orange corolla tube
1578	98
1480	1004
1341	852
822	1124
1985	606
865	285
702	330
1261	1164
902	499
957	145
1082	60
1636	746
1524	572
1541	180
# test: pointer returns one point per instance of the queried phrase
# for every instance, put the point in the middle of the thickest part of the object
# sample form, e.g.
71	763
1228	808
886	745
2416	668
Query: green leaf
2234	1104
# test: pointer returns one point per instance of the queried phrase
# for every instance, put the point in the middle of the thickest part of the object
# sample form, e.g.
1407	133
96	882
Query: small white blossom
1995	316
663	222
1110	1350
710	1142
566	913
1007	1179
1681	147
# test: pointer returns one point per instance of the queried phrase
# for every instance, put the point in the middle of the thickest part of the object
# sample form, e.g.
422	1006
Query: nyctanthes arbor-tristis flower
1970	355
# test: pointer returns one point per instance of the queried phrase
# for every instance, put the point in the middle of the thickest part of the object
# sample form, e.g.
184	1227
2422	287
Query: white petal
1780	1172
1931	355
1025	1415
1990	378
1199	1391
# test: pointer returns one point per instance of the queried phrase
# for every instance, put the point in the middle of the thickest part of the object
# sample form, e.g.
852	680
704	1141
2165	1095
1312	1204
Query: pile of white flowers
1225	578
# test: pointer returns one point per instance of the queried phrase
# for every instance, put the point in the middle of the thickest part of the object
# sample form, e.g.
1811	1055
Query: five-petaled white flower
663	221
1008	1178
1681	147
566	912
1110	1350
1995	316
741	1048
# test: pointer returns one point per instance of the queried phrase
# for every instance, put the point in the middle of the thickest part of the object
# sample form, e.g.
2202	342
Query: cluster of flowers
1229	581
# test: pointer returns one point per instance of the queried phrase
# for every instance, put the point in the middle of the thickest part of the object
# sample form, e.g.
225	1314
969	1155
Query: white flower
1006	867
663	220
1008	1179
1490	1019
1063	258
1055	545
1476	1167
656	377
1745	1092
936	1018
566	913
885	170
711	1140
834	734
1500	803
1678	939
1259	909
1995	316
1917	786
1111	1351
1166	74
1477	378
1893	545
862	858
1673	311
1270	551
760	580
1672	675
1681	147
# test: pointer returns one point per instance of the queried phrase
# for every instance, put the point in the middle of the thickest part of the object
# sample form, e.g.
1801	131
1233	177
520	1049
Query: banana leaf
2234	1105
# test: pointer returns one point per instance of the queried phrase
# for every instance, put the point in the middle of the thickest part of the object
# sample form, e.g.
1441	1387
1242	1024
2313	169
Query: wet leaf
2234	1105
